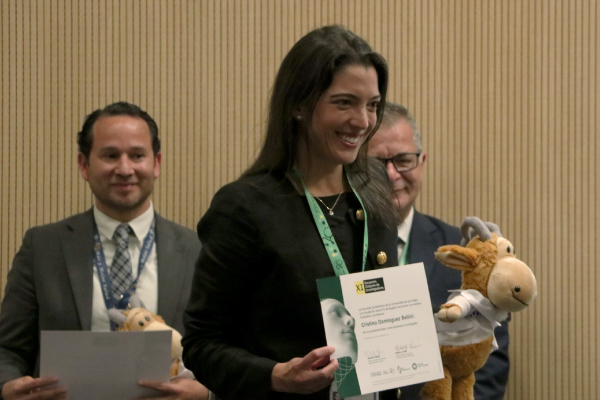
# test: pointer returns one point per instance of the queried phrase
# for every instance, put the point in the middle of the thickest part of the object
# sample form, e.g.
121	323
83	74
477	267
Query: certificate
382	327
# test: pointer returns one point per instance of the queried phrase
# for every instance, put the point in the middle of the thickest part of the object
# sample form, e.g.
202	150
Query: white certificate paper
382	326
105	365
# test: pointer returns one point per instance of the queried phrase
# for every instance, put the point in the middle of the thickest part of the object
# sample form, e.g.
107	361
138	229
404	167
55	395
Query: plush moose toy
494	283
140	319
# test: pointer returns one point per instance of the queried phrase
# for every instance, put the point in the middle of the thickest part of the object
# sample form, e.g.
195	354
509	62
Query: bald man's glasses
403	162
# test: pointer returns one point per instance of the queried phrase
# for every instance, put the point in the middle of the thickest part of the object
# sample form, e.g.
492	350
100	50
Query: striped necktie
120	270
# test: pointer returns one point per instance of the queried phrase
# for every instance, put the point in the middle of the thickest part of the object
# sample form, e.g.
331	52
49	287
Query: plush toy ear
457	257
159	319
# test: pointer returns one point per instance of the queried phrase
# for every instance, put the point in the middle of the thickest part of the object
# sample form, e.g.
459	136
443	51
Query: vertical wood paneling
593	182
5	254
583	196
505	93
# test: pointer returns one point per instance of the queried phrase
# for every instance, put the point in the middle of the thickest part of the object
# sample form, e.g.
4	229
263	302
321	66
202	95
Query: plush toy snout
138	319
512	286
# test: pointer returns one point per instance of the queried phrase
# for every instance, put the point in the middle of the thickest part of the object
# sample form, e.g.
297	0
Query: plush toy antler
494	283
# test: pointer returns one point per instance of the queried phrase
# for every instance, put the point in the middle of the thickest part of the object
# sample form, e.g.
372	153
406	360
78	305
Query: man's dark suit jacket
49	286
254	300
426	235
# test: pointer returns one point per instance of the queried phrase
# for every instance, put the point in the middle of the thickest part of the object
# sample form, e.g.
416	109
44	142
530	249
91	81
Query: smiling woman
342	119
311	206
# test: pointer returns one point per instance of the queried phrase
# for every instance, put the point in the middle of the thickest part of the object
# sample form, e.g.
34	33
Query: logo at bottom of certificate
401	369
419	365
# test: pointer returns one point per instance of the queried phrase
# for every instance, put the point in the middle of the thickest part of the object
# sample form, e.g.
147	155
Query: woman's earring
299	117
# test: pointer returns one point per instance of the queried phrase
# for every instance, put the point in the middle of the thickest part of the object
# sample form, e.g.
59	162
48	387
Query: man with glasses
397	144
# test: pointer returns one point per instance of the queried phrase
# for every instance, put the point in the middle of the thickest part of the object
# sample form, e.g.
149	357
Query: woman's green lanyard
404	255
337	262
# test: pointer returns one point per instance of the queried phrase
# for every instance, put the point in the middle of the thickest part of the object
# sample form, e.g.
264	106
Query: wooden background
505	92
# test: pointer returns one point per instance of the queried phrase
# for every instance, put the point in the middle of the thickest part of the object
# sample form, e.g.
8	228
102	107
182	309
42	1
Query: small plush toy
494	283
140	319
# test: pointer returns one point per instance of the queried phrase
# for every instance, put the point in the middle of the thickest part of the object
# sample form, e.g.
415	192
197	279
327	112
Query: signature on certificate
415	343
373	353
401	348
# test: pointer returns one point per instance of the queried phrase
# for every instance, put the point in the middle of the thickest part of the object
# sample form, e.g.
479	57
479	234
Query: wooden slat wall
505	93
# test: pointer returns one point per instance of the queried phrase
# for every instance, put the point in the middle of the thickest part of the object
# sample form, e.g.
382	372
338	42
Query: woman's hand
305	375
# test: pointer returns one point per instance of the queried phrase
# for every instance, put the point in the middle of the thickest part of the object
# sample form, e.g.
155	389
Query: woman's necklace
334	204
337	262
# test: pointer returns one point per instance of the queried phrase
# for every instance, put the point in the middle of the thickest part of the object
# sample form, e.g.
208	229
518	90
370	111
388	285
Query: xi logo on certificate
369	286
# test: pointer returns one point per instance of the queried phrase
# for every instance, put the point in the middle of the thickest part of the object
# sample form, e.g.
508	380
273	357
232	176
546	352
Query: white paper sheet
105	365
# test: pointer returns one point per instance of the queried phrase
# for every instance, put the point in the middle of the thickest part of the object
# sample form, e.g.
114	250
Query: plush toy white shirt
477	320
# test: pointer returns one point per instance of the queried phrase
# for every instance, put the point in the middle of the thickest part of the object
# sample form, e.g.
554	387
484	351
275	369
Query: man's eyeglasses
403	162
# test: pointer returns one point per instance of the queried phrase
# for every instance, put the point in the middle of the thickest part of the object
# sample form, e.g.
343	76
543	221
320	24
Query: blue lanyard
335	256
104	274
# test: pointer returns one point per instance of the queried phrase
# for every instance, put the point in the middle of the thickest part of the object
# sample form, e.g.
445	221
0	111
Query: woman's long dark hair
305	73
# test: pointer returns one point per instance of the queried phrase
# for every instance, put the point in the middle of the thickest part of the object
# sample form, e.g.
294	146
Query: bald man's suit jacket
50	286
426	235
